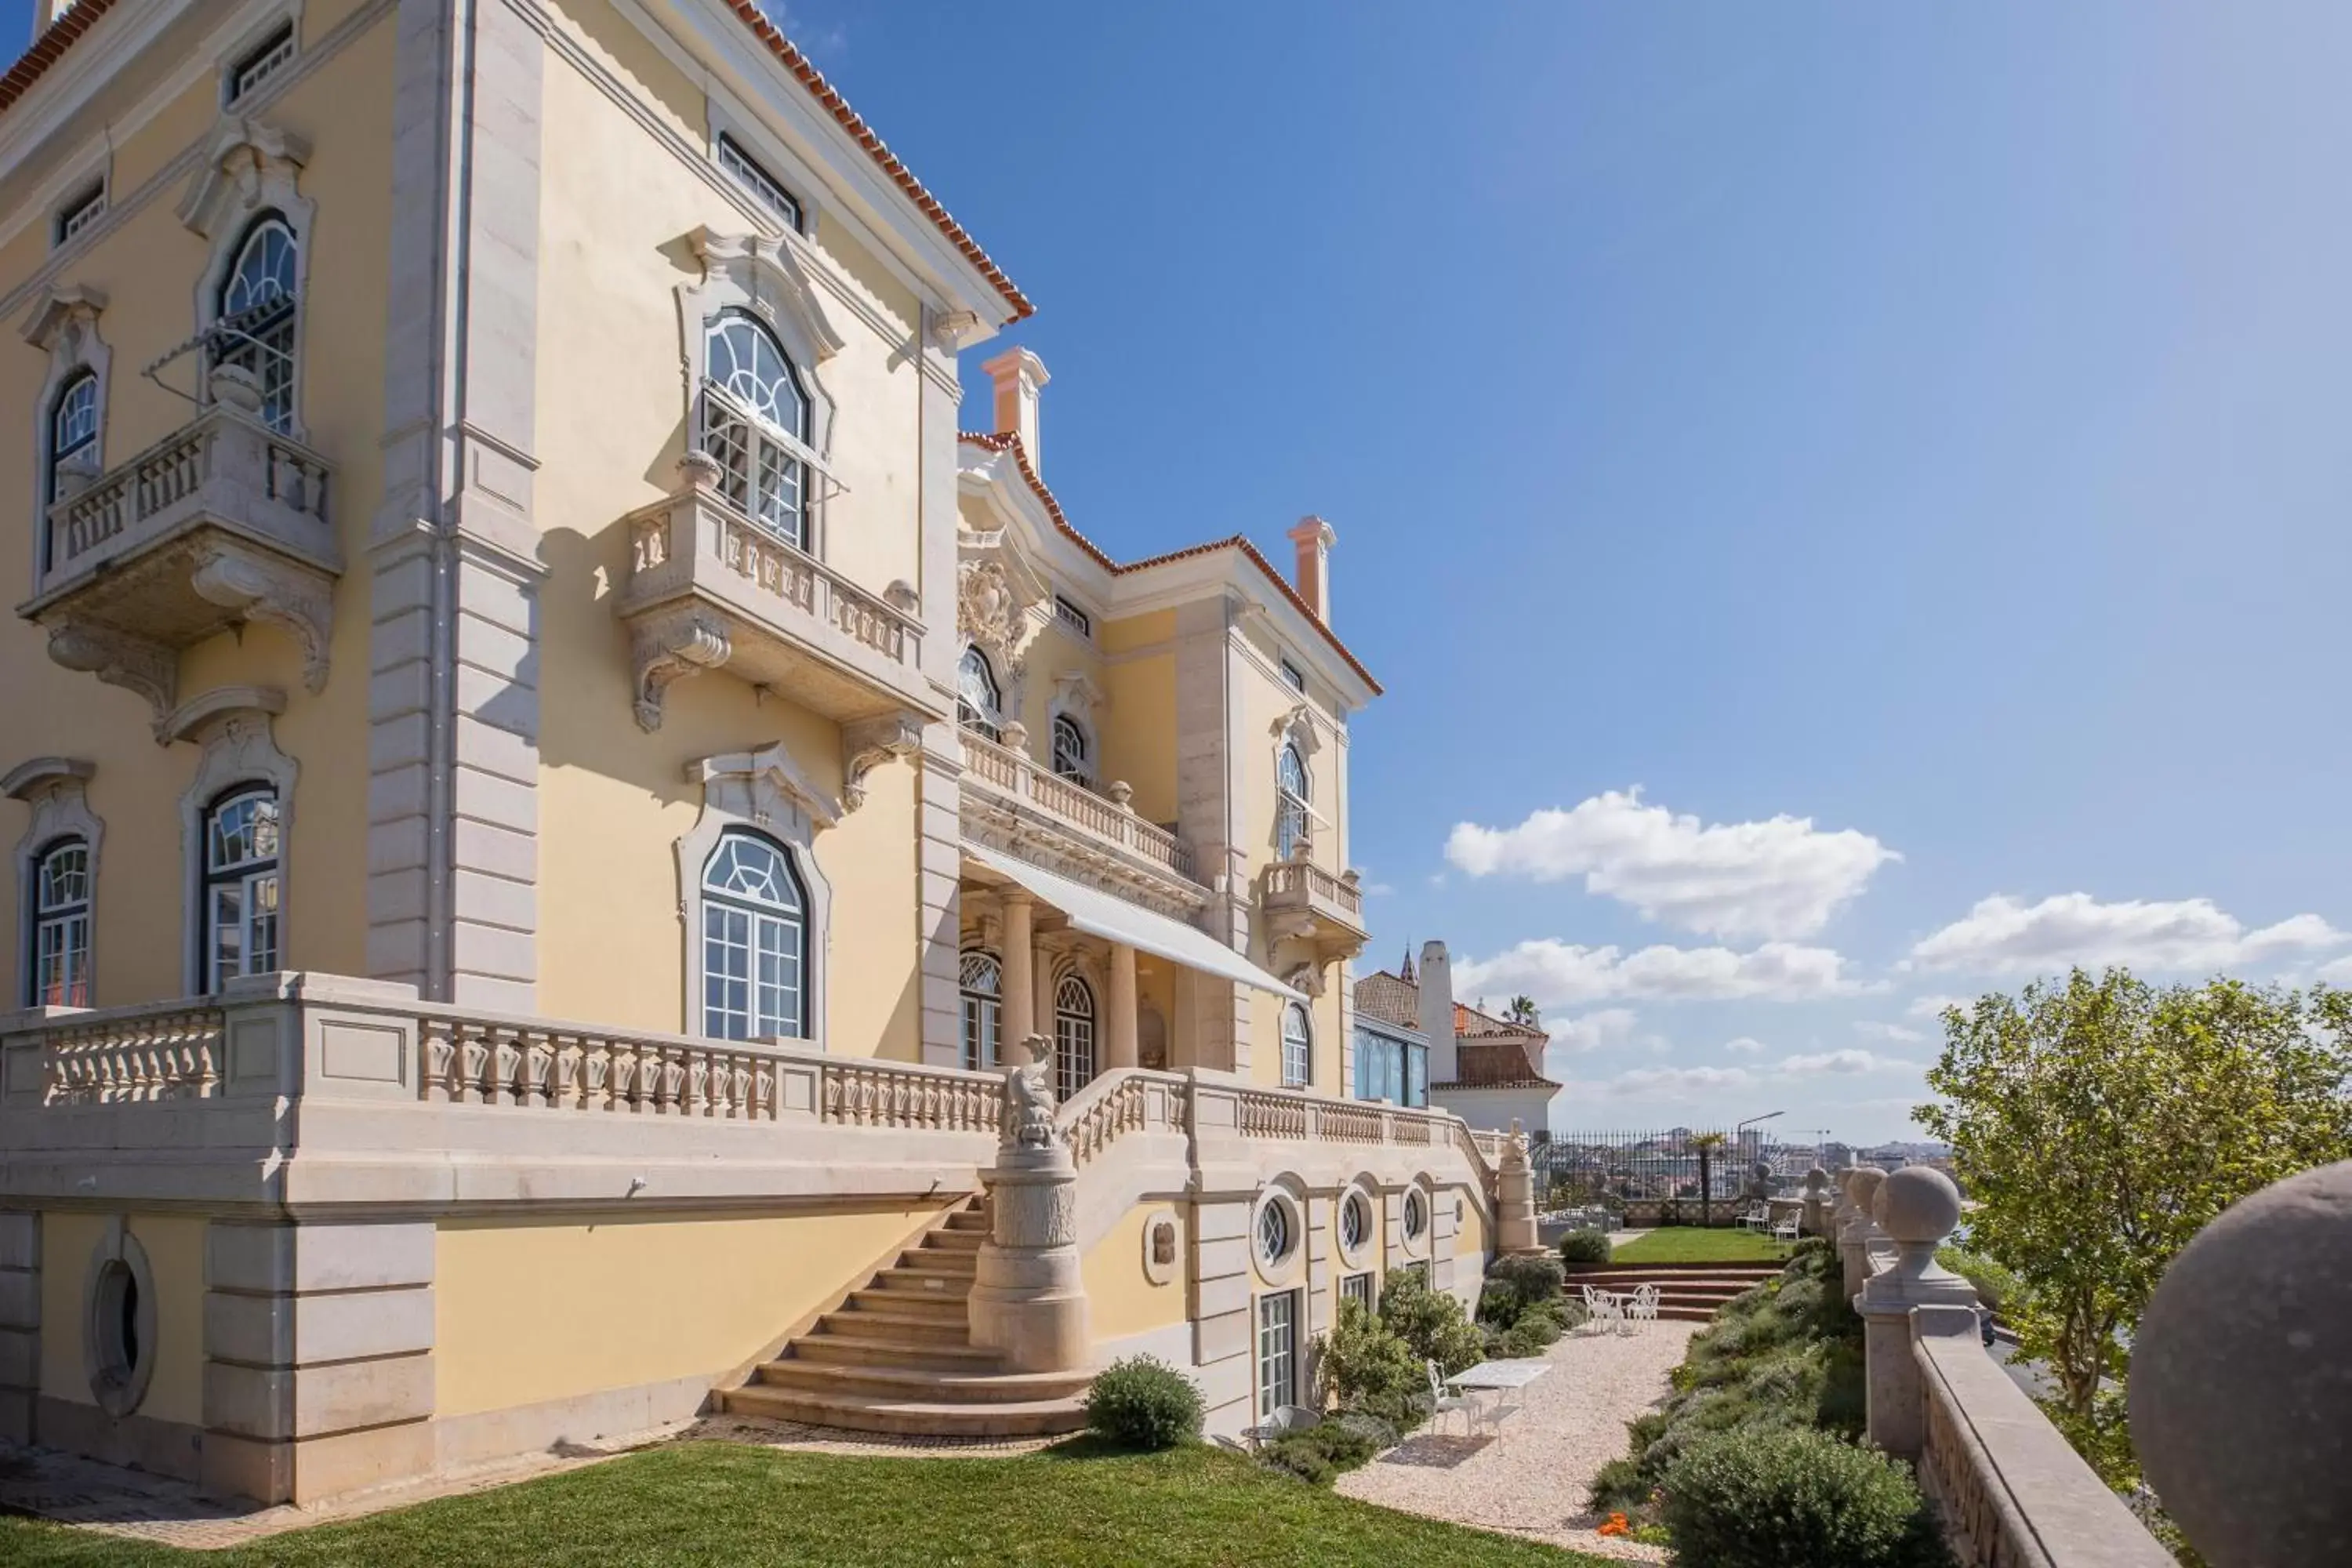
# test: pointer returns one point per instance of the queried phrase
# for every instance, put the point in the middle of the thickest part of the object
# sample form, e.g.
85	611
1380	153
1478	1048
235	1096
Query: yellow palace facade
553	781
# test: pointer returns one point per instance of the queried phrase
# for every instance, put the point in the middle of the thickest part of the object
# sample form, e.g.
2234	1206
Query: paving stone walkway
1531	1482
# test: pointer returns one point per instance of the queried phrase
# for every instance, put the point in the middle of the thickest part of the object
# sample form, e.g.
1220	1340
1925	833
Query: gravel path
1531	1483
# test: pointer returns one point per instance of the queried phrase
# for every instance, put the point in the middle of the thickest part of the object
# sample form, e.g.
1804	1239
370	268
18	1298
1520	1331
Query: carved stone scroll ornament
870	743
117	657
259	589
987	610
667	648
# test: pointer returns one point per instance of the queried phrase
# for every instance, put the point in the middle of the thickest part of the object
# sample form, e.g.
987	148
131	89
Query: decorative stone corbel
250	166
668	649
117	657
1076	694
1306	978
1298	726
258	588
953	330
63	309
870	743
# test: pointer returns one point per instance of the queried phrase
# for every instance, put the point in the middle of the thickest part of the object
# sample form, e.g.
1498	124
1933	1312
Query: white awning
1099	913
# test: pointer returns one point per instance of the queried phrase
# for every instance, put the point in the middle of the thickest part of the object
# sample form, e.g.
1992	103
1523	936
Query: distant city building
1486	1070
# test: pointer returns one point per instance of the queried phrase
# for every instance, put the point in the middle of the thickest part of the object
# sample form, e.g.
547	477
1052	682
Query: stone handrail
1302	877
796	577
873	1093
170	1051
1298	1115
1007	771
223	451
2009	1490
1123	1100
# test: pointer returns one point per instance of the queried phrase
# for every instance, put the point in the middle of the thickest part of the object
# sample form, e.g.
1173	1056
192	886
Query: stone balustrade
1124	1100
1009	773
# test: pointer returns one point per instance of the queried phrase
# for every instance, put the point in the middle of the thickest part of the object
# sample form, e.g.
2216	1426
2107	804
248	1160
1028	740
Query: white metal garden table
1503	1379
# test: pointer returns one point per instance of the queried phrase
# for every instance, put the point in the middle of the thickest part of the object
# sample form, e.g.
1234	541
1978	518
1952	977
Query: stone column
1817	1201
1020	1020
1121	1040
1515	1199
1028	1299
1861	1184
1919	1206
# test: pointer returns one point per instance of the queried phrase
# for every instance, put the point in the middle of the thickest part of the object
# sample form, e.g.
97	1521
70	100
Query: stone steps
897	1358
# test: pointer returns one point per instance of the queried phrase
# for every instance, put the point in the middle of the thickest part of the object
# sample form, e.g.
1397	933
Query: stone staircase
1691	1292
898	1357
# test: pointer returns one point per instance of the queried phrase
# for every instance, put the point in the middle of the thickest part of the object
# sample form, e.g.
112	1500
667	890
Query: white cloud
1932	1006
2006	935
1745	1046
1778	879
1870	1030
1845	1062
2338	972
1563	974
1676	1080
1593	1031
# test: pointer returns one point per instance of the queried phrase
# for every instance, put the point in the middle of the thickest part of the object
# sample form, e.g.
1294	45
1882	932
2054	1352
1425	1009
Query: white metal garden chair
1441	1402
1602	1311
1644	1307
1758	1218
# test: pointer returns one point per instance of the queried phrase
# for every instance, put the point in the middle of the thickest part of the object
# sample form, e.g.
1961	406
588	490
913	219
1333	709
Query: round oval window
1416	1214
1354	1221
114	1328
1274	1232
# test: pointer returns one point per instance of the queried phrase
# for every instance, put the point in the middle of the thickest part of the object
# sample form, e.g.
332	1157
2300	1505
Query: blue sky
1904	443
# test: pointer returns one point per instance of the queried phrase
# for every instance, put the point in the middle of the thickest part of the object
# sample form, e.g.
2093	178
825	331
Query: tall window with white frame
1290	809
1277	1350
242	885
1297	1047
72	442
58	973
979	703
755	424
1073	1036
254	329
754	941
1073	758
981	981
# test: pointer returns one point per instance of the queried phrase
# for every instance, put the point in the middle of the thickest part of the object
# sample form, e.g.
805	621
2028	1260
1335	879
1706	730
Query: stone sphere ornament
2240	1384
1917	1203
1863	1187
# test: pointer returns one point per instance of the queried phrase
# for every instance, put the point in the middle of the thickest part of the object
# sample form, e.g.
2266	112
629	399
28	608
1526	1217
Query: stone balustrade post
1515	1197
1919	1206
1854	1237
1815	1220
1028	1299
2241	1379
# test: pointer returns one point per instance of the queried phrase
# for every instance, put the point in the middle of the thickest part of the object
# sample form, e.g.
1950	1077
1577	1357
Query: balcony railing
1304	884
708	587
1013	775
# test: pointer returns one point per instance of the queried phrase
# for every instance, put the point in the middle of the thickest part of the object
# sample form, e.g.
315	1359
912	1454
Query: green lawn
709	1505
1690	1244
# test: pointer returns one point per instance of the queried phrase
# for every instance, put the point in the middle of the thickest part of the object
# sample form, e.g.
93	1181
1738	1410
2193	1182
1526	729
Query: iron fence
1711	1167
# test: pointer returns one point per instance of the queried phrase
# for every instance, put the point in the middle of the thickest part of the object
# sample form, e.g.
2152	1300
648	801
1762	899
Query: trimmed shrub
1320	1453
1584	1247
1379	1434
1516	1284
1143	1403
1619	1484
1431	1323
1768	1499
1365	1367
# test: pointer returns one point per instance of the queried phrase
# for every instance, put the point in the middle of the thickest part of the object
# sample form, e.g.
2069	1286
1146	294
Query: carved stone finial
1016	735
235	387
697	469
1122	794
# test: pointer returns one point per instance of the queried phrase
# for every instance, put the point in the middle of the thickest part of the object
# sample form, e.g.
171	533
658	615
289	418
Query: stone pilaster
938	793
20	1324
1210	794
318	1358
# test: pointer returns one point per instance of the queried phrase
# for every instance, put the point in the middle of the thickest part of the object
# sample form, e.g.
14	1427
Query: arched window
59	927
1071	759
241	885
255	329
1073	1036
751	394
754	941
982	982
979	706
1297	1047
73	430
1290	809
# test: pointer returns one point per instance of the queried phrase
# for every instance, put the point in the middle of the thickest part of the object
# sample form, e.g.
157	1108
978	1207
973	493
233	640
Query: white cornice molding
20	782
993	479
1225	571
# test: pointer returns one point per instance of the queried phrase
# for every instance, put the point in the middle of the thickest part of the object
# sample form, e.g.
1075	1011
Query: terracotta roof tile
1009	442
60	34
1471	1024
1510	1083
1387	999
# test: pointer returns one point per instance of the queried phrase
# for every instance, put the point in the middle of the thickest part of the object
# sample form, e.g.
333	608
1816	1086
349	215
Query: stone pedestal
1858	1229
1028	1299
1514	1199
1816	1218
1918	1208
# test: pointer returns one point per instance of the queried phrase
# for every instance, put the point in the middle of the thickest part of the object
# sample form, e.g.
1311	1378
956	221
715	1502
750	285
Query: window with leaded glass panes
755	424
754	941
58	972
981	982
255	327
243	887
1073	1036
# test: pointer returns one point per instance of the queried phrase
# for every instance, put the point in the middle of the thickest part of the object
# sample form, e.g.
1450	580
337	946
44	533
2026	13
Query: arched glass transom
1297	1047
751	395
1274	1232
1073	1036
242	887
980	979
1290	811
1071	759
255	327
59	970
754	942
979	706
73	427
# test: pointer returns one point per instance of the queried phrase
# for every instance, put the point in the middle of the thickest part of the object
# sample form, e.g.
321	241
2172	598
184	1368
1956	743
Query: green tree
1707	1143
2097	1124
1523	1011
